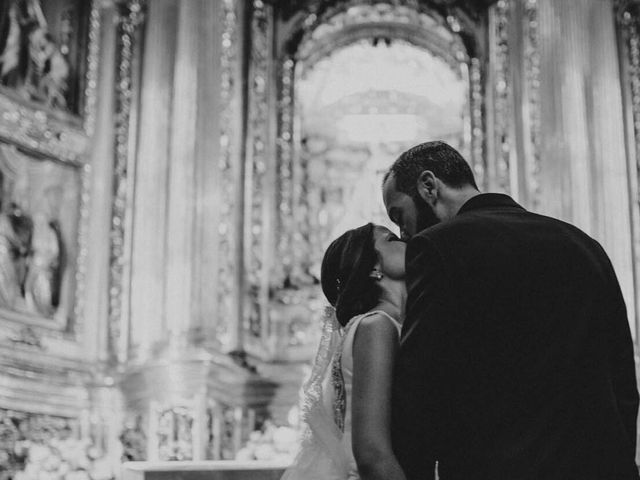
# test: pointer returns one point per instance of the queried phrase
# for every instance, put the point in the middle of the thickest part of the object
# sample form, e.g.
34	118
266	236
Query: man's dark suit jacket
516	358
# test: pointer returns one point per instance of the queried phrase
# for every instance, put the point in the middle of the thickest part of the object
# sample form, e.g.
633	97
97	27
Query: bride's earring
376	274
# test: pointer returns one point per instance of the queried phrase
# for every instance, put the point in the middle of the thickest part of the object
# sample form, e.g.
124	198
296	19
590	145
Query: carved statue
47	70
31	61
15	238
47	260
20	19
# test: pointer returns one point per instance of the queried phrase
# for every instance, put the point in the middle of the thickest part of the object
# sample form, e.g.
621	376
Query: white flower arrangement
278	444
62	459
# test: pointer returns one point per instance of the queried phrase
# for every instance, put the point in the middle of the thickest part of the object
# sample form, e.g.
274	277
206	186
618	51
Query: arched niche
284	304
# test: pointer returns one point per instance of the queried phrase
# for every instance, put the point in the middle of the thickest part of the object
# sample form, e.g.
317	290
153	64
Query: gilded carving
228	112
259	130
90	109
42	131
284	146
321	31
27	440
91	78
39	221
501	95
532	77
41	52
343	24
131	17
48	127
133	440
175	433
478	158
329	28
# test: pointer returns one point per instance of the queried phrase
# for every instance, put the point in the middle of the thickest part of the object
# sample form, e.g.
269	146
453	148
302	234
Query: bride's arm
374	349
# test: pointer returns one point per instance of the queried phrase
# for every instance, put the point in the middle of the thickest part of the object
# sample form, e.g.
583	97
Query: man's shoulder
472	225
456	226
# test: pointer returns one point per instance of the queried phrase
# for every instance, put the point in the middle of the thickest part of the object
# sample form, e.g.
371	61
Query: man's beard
426	216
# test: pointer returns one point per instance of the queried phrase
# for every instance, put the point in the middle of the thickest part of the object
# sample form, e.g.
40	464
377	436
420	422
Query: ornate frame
64	138
130	18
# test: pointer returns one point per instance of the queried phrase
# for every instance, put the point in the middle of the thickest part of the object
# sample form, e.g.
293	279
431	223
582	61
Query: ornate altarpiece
49	68
266	309
484	46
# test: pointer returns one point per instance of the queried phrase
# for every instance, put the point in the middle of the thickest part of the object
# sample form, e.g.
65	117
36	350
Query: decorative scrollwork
502	93
131	17
22	431
285	169
321	24
259	130
228	145
532	77
410	20
175	433
27	336
133	440
478	159
49	134
90	106
91	77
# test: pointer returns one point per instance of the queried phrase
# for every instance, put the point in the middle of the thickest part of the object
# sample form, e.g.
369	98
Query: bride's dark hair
345	273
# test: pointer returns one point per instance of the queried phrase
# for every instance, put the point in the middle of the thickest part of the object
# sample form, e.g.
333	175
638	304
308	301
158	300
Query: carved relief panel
49	53
48	73
39	218
42	51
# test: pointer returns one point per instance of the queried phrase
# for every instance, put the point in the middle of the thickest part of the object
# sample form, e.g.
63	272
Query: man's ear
427	186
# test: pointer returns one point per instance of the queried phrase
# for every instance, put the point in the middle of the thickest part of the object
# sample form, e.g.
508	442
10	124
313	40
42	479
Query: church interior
171	172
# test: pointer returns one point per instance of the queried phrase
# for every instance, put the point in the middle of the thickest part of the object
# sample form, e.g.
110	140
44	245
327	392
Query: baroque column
583	165
188	224
149	253
181	388
96	293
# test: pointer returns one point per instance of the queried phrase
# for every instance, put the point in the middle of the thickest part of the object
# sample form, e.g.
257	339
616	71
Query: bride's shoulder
377	322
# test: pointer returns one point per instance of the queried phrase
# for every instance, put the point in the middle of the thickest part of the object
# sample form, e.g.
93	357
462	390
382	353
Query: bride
347	399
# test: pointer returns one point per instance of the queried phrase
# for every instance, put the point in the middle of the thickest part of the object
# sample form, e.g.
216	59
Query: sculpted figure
46	262
17	22
31	61
15	237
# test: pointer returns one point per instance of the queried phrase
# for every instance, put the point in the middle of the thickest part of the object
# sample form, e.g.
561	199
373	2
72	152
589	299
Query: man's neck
459	198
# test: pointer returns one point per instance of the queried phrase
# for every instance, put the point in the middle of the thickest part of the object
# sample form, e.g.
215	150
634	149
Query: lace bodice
325	450
343	367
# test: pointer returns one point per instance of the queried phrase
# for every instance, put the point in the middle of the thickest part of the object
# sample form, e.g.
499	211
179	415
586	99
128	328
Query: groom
516	359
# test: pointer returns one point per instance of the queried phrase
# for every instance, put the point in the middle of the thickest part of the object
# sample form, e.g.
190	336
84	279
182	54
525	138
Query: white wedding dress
325	451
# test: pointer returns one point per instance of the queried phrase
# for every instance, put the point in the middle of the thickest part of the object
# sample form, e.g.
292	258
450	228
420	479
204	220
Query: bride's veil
321	454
